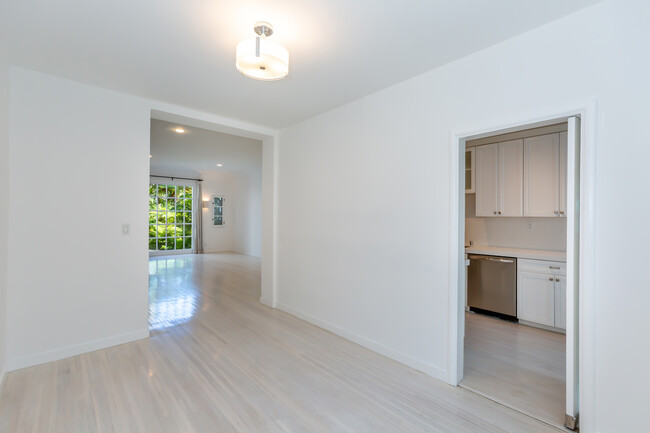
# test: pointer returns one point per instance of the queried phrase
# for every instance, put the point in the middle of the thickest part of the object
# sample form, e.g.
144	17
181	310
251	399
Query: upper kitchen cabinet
499	179
545	170
470	178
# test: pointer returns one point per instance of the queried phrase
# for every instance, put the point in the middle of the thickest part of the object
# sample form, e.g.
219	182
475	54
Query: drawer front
541	266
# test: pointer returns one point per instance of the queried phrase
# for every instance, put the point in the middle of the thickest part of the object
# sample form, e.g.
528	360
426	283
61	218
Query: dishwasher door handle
502	260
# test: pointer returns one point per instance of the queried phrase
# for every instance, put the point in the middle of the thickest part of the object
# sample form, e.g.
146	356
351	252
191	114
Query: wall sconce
206	204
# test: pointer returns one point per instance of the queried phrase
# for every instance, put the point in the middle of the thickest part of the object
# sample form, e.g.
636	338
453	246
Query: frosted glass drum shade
271	64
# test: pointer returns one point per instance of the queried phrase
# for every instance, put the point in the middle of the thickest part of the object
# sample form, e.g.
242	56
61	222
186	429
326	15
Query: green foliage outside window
170	217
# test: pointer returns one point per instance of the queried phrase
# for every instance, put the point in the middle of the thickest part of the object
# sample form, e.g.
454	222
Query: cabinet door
536	298
563	171
486	180
541	176
511	177
560	302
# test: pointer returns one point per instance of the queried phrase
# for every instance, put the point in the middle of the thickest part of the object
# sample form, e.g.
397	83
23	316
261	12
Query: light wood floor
219	361
517	365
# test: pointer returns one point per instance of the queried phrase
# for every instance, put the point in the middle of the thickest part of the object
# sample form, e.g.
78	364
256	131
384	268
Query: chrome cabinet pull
495	212
556	212
554	267
550	279
557	279
561	212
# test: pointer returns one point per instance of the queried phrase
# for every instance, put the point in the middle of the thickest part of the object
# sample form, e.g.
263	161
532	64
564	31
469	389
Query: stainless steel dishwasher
492	285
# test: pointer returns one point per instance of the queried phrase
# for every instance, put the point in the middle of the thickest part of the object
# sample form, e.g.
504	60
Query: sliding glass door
171	216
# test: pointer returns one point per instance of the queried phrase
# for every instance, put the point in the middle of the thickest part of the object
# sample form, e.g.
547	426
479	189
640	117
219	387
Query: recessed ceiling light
179	130
219	165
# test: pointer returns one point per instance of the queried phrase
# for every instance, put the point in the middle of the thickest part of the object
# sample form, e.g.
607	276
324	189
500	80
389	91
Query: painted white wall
363	231
75	283
4	180
219	239
545	234
242	232
248	213
270	150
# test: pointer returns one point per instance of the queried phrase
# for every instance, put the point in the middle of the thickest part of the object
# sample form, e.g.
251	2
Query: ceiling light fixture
179	130
150	156
260	58
219	165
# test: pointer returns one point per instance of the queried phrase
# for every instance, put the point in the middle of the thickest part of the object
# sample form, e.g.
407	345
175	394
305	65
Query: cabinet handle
495	212
554	267
550	278
557	279
499	212
556	212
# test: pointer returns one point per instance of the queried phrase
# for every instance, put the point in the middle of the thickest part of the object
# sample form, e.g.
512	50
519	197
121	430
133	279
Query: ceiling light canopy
260	58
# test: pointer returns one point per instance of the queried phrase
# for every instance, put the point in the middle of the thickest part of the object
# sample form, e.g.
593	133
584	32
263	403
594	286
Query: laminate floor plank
219	361
517	365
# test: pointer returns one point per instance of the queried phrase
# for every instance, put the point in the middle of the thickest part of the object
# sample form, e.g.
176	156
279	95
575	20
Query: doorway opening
515	311
205	220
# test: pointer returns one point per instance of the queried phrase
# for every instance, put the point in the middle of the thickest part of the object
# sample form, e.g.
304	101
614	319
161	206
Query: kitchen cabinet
470	178
536	298
541	292
560	302
499	179
545	171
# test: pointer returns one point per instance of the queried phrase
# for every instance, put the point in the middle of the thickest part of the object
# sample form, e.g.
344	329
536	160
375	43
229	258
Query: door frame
269	139
585	266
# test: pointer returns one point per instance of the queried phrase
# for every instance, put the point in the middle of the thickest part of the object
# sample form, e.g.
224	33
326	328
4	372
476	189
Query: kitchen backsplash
545	233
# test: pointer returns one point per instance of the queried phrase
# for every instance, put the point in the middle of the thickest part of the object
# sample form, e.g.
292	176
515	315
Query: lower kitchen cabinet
541	292
536	298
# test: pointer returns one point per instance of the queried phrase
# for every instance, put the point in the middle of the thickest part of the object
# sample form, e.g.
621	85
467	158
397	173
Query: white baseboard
213	251
77	349
428	369
267	302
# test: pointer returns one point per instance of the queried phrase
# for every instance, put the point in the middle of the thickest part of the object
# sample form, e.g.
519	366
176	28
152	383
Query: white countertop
520	253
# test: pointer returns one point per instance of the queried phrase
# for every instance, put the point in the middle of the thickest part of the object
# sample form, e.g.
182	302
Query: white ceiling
199	150
182	52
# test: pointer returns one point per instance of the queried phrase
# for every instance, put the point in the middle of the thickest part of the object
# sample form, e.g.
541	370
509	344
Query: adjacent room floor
517	365
219	361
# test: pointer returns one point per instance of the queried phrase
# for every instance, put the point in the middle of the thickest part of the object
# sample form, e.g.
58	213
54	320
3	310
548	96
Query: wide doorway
519	223
205	199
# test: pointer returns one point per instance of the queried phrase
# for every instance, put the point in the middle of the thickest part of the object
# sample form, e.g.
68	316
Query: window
170	218
217	211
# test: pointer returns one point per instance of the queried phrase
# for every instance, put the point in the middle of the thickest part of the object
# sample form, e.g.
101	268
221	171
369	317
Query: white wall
242	232
363	192
219	239
248	213
4	180
75	283
545	234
